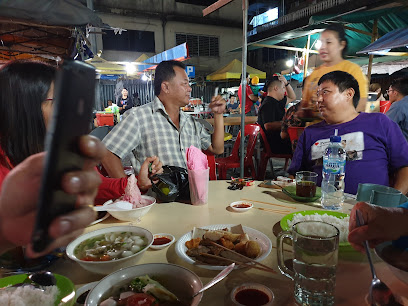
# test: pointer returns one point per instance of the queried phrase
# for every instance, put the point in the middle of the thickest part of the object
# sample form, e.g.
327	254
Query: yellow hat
255	80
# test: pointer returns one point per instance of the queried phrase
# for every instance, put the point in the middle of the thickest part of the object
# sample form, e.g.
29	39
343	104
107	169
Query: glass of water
315	251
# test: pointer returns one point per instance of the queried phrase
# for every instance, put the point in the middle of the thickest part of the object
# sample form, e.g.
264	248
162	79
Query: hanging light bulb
144	78
318	44
289	63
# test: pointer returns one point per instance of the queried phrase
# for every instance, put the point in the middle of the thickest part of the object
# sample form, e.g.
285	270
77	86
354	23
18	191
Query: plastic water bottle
334	164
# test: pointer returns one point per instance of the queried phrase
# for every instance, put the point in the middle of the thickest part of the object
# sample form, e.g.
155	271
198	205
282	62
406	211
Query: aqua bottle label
331	166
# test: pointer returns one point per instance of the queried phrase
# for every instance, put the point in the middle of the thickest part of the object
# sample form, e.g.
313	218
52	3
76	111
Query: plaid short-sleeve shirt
148	131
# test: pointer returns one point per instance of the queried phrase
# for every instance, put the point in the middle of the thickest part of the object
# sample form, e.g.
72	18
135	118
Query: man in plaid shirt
161	128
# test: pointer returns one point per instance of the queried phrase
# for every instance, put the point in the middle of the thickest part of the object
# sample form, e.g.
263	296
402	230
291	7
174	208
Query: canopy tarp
389	19
105	67
50	12
43	29
395	39
177	53
233	71
141	58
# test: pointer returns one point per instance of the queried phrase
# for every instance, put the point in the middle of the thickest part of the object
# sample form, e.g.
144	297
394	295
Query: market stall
46	30
233	71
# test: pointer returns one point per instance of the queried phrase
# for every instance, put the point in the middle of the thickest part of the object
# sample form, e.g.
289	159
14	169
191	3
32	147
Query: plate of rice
338	219
62	293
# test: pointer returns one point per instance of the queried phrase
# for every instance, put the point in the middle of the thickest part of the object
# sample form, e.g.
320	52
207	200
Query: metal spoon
117	206
379	293
220	276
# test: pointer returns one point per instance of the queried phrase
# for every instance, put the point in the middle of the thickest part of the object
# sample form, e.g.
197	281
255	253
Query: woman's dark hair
24	86
165	72
341	33
343	81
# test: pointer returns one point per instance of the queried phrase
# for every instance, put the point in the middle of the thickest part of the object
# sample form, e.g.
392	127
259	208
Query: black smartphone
74	97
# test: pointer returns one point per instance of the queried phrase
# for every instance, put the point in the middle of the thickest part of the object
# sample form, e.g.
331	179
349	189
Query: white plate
264	242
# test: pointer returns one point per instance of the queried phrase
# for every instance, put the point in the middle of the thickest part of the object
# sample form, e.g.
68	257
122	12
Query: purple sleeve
397	145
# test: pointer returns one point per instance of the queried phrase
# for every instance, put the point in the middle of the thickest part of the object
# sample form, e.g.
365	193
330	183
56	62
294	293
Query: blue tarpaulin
395	39
179	53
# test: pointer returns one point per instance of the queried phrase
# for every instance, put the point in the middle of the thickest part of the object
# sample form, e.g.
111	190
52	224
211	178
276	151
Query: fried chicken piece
240	247
193	243
227	243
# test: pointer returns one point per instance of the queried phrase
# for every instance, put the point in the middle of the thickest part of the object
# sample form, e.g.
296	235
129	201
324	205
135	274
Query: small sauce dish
241	206
161	241
82	292
252	294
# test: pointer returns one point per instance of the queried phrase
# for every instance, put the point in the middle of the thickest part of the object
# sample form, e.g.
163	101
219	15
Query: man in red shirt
250	98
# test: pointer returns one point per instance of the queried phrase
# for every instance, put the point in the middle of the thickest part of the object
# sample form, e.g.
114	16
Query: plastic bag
172	185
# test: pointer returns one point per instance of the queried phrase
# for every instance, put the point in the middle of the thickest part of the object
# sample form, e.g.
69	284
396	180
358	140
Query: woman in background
332	52
374	106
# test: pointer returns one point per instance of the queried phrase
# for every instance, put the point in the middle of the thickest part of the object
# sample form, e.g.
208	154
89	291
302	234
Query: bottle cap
335	138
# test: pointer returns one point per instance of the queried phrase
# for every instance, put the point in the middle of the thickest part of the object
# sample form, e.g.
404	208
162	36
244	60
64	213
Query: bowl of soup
108	249
154	283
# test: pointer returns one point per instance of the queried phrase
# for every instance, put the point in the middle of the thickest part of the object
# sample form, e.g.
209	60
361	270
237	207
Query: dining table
353	275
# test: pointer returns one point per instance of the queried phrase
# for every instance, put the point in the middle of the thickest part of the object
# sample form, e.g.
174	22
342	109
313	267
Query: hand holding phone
72	116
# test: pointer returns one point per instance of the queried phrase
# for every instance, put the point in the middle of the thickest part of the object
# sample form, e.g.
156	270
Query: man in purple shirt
376	149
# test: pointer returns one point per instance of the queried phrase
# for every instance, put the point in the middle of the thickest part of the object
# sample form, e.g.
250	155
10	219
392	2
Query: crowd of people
159	132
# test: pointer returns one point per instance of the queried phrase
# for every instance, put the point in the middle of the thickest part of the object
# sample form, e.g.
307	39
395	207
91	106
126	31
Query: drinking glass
315	251
306	184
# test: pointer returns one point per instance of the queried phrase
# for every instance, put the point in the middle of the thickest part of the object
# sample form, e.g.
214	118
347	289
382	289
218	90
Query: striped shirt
148	131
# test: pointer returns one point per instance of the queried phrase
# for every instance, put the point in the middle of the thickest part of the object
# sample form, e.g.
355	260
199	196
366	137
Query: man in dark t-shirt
270	116
124	102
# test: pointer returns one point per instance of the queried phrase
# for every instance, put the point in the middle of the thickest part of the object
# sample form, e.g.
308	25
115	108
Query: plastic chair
384	106
266	154
233	161
294	132
211	165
